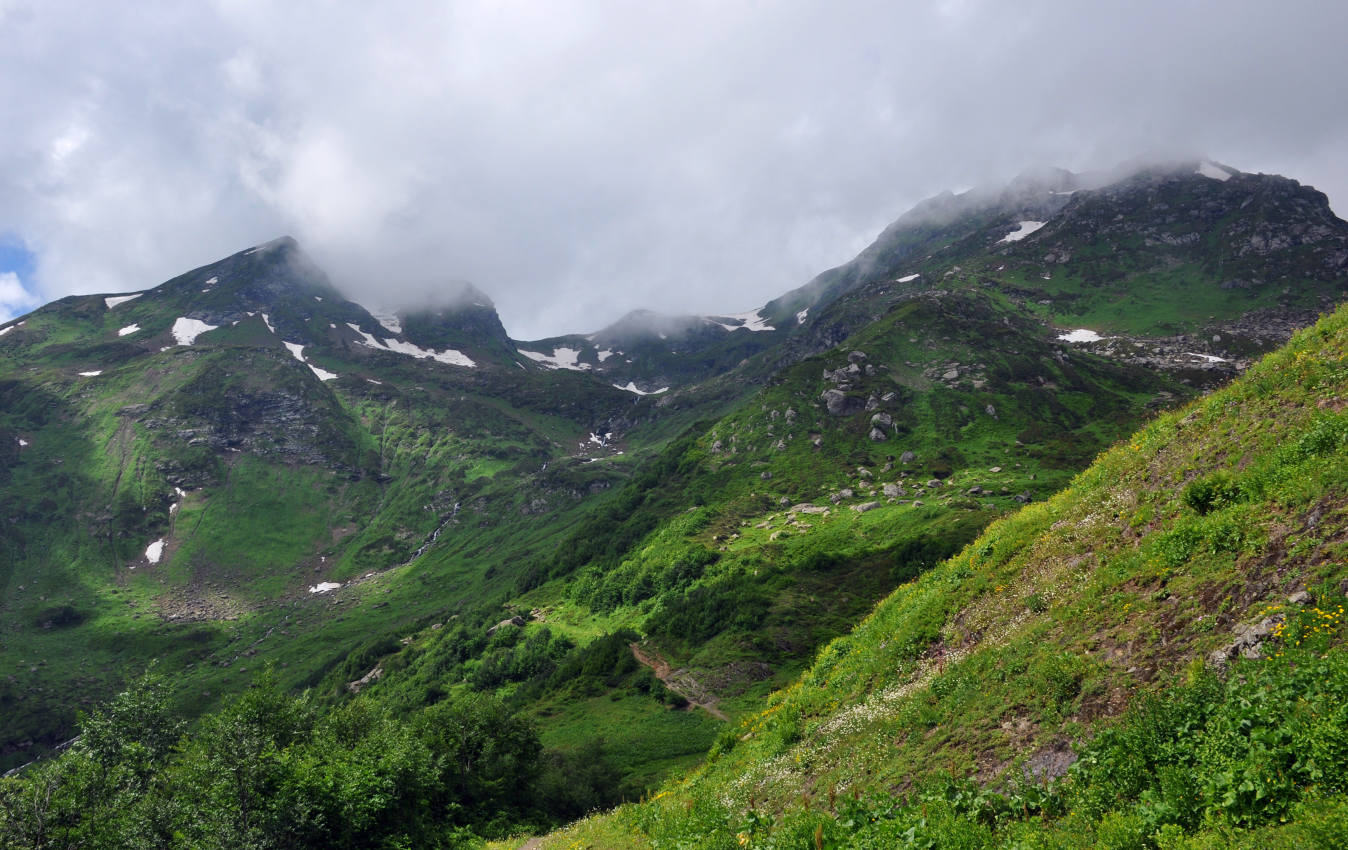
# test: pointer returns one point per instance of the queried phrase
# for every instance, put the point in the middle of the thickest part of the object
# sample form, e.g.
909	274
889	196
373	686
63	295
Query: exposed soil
680	682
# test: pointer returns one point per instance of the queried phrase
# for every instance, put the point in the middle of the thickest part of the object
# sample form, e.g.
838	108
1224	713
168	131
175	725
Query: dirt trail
680	682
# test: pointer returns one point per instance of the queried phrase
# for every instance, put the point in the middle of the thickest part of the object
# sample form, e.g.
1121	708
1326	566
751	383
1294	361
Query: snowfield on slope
1215	172
1080	335
749	321
560	358
113	300
632	388
186	331
1026	228
449	356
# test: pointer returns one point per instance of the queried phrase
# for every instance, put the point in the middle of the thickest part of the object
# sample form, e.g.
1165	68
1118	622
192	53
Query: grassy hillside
1216	531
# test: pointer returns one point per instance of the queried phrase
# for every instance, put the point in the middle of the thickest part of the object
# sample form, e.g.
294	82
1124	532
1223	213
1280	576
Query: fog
577	160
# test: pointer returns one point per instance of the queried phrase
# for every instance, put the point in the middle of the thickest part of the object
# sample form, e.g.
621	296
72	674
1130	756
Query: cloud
14	298
580	159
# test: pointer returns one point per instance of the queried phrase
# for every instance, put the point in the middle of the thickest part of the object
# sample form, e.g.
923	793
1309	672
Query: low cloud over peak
581	159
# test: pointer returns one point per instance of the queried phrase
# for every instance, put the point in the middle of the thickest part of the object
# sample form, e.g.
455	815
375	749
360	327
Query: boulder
882	420
865	506
907	457
840	403
515	622
877	436
893	491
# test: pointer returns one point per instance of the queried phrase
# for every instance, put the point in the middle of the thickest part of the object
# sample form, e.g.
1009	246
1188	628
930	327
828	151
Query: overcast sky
577	160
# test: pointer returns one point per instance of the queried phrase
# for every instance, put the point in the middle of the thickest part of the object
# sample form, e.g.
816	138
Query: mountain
1154	656
240	469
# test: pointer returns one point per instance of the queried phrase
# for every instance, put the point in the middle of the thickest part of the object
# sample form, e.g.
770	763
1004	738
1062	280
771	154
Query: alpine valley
858	568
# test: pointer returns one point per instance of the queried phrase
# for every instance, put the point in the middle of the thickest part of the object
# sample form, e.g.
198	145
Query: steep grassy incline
856	469
1187	545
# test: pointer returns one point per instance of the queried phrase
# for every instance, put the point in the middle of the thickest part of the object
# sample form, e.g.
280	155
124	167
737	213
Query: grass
1052	622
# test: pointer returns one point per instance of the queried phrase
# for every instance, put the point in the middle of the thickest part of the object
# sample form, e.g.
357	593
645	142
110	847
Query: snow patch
212	282
186	331
800	317
93	374
373	381
266	321
114	300
324	587
748	321
296	349
598	440
155	551
1080	335
1216	172
1208	357
450	356
23	443
1026	228
126	331
318	299
4	331
632	388
604	354
561	358
323	374
909	278
389	321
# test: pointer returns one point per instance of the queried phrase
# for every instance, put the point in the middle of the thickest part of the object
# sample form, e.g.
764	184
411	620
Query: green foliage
1212	492
700	613
268	771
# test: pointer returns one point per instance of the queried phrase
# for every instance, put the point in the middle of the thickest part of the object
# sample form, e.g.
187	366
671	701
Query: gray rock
893	491
516	622
907	457
845	493
840	403
935	482
882	420
952	375
1301	597
991	411
766	476
856	357
865	506
863	472
1248	643
877	436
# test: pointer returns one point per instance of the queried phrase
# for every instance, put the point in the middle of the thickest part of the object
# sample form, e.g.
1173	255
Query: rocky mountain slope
241	467
1153	657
